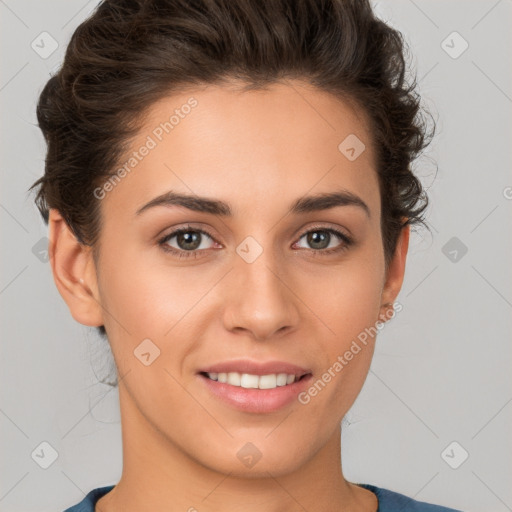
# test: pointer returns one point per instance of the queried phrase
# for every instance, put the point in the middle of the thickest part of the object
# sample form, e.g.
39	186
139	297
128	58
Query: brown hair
130	53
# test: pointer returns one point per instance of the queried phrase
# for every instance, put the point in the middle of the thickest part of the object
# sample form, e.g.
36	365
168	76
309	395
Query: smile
255	393
248	381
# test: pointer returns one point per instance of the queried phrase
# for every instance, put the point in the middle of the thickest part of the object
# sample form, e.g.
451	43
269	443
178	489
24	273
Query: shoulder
390	500
89	501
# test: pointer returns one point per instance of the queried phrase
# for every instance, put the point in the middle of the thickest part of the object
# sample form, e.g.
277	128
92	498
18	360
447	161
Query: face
257	278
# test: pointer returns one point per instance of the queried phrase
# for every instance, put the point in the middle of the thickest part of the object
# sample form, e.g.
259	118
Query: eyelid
330	227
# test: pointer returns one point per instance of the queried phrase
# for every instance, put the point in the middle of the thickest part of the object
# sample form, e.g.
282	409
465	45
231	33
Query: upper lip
256	367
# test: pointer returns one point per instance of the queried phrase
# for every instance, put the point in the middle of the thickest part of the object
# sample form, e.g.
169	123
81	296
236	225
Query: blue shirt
389	501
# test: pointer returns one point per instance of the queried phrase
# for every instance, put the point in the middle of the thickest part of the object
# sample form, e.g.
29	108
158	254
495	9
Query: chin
246	460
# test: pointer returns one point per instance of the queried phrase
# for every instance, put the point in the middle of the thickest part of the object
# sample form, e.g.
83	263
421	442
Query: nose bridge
260	301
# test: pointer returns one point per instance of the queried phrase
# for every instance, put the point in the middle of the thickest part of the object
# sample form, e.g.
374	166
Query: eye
189	241
321	239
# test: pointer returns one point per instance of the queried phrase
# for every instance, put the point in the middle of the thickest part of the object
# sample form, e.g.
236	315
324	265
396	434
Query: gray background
441	371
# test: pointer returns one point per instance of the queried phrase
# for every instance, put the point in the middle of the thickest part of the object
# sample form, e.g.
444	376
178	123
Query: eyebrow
305	204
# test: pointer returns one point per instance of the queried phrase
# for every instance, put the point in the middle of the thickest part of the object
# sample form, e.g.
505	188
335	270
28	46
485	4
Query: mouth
253	381
255	387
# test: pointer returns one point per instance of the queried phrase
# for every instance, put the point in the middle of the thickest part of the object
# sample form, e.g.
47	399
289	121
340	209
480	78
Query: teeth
246	380
234	378
268	382
282	379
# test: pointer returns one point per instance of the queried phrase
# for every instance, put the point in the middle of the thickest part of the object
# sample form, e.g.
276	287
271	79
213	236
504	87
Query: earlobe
395	273
74	272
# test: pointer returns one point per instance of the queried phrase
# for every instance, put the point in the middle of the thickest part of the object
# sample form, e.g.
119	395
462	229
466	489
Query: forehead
263	145
281	112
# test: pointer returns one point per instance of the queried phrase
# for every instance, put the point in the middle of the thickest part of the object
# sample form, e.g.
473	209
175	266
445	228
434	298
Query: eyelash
347	242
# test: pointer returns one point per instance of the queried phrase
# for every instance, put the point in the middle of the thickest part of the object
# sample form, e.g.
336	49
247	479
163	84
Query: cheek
149	297
347	297
347	300
163	303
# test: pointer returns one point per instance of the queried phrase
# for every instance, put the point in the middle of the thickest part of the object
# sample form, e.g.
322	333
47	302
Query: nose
260	299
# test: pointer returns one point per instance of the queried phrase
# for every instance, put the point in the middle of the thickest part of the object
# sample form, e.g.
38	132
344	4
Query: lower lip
256	400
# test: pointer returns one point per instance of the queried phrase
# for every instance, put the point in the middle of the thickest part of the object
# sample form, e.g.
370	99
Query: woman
229	195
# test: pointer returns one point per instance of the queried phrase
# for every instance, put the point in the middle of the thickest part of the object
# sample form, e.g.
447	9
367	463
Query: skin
259	151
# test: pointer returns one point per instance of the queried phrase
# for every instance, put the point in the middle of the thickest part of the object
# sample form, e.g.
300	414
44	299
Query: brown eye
187	240
324	239
318	239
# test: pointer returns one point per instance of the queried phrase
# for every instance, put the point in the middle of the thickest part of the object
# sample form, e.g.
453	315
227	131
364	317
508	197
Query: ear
395	273
74	272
